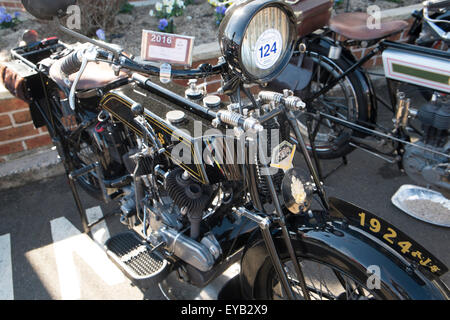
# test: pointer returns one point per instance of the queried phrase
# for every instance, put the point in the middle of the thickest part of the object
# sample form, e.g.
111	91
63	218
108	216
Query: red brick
12	104
38	142
5	121
396	37
18	132
22	116
358	52
213	87
11	148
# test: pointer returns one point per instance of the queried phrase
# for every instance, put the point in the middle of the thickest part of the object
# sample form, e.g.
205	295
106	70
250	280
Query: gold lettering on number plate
389	235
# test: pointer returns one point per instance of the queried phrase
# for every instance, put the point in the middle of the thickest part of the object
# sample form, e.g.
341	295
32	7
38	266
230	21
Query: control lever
90	54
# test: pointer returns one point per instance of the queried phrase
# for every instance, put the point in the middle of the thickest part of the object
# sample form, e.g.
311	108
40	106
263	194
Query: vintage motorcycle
117	133
343	104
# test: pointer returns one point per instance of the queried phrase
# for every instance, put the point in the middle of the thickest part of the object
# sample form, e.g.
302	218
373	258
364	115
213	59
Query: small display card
166	47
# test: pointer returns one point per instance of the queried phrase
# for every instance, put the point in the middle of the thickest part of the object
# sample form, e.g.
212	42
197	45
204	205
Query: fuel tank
423	67
209	155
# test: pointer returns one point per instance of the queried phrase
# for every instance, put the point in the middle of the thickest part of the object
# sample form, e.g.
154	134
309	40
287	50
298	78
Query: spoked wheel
345	100
323	282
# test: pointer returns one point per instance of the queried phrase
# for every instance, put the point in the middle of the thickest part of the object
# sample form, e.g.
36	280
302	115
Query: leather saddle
96	75
354	26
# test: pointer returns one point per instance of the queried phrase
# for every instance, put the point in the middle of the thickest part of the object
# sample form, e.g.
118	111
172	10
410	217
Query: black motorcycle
202	187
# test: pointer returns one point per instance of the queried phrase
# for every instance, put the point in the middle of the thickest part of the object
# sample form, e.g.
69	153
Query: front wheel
326	279
338	263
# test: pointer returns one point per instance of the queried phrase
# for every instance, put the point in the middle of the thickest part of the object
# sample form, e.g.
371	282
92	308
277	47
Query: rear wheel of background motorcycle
345	100
324	277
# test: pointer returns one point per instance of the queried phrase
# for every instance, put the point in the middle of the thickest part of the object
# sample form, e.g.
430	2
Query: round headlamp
257	39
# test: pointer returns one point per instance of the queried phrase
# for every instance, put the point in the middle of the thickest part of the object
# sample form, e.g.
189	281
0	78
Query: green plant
165	11
169	8
220	7
7	20
126	8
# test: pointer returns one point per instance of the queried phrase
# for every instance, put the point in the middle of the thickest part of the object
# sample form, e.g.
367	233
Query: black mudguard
353	251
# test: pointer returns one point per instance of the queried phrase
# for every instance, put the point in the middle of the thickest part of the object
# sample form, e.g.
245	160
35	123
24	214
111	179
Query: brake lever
89	55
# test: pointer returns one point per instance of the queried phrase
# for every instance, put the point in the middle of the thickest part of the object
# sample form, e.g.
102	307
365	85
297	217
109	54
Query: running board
136	259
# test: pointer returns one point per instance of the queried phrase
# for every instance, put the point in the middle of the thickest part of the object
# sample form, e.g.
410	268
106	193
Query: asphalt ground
41	269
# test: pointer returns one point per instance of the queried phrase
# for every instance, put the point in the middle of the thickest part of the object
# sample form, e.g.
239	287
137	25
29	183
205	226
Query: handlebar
432	22
72	63
438	5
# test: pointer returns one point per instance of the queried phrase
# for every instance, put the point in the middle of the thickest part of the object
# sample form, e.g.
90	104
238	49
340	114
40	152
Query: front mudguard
353	252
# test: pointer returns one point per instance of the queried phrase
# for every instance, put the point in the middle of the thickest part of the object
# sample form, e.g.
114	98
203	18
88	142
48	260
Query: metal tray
407	192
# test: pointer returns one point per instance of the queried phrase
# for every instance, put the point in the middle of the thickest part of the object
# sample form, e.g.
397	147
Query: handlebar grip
71	63
439	5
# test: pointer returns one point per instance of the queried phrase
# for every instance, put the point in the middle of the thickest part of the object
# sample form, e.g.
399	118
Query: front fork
266	222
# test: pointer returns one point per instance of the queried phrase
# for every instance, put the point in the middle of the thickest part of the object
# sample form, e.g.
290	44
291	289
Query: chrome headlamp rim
234	27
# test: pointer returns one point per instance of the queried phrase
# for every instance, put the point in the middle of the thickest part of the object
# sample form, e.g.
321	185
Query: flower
158	6
2	10
8	18
221	10
163	24
214	3
100	34
151	13
16	14
179	3
2	17
169	9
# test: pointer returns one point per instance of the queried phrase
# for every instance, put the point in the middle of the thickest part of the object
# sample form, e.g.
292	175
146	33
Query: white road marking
211	291
67	240
6	275
100	231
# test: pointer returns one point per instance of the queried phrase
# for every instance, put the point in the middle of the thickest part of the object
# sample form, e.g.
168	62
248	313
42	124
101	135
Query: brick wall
11	4
17	132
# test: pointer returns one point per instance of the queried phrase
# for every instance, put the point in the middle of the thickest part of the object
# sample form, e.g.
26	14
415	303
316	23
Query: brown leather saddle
354	26
96	75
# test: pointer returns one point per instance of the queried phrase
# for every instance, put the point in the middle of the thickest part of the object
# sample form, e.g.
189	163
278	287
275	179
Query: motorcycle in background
117	134
342	102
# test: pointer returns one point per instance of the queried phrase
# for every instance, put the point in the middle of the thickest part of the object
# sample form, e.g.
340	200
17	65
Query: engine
191	197
426	167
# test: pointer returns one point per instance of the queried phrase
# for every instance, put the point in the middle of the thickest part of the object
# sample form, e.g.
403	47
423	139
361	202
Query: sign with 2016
166	47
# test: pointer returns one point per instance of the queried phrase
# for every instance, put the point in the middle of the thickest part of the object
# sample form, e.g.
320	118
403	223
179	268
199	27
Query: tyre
338	263
332	275
345	100
324	276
